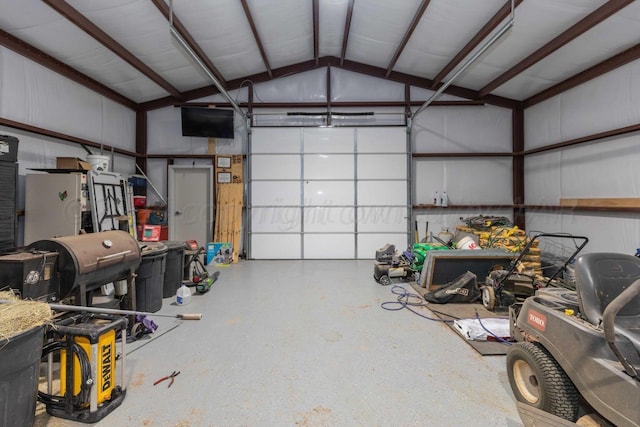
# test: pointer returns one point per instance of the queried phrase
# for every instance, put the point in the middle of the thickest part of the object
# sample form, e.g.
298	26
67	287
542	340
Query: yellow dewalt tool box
92	376
104	361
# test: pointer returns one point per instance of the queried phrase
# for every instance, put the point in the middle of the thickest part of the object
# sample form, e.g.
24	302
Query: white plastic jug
445	235
183	296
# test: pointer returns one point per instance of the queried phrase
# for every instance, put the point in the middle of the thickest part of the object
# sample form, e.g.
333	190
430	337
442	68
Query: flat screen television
207	122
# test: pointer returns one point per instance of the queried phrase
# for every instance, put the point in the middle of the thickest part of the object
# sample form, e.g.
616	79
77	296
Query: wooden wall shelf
564	209
556	208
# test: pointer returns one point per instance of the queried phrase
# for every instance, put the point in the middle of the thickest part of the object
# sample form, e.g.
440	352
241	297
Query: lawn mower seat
600	278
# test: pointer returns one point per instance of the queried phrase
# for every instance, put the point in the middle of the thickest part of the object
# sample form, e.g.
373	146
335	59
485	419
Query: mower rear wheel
488	297
385	280
538	380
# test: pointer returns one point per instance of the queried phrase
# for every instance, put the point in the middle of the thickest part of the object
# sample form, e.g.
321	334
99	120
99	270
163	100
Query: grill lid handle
112	256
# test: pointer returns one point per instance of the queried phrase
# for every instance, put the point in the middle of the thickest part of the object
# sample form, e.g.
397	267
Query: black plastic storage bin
174	268
150	277
19	375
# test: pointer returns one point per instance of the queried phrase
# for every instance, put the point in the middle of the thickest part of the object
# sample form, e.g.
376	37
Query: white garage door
327	193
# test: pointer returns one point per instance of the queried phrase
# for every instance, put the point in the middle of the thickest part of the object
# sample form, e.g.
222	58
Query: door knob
178	213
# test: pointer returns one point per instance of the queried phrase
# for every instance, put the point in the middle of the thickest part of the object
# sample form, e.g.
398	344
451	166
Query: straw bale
17	316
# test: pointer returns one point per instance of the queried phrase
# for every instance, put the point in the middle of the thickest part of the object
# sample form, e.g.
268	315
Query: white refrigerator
56	204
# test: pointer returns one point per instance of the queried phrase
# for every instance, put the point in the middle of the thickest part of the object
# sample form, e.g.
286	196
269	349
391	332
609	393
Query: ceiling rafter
326	61
36	55
426	84
256	36
66	10
236	83
182	30
588	22
491	25
414	23
609	64
63	136
316	30
347	29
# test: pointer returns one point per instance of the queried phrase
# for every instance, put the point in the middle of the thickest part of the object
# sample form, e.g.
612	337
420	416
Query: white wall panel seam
249	194
356	228
62	90
302	195
103	115
604	103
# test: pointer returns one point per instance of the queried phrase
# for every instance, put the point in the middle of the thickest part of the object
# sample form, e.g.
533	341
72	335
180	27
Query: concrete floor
305	343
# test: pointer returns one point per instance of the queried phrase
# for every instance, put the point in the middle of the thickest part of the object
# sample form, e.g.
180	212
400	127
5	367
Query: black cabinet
8	200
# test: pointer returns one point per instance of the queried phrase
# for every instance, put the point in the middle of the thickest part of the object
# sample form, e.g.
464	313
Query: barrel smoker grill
88	389
88	261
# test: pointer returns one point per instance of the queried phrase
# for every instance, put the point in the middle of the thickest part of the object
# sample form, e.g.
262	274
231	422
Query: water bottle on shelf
183	296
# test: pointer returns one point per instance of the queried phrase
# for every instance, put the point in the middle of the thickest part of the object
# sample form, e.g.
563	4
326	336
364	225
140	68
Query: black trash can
19	375
150	276
174	268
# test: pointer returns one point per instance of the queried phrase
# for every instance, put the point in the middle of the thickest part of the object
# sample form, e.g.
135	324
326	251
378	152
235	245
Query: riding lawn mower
577	356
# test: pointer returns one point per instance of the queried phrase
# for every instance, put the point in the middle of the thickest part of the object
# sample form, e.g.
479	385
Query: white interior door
327	193
190	204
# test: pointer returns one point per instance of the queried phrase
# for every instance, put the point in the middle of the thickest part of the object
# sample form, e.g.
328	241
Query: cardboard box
72	163
221	253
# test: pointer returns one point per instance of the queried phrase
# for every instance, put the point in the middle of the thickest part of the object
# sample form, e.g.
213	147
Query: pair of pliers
168	377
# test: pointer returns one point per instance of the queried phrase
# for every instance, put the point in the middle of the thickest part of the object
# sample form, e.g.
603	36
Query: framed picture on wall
224	177
224	162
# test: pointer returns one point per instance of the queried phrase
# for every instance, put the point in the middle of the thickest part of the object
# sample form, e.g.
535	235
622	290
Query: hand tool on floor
65	307
168	377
